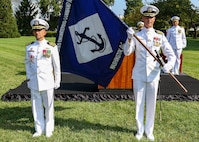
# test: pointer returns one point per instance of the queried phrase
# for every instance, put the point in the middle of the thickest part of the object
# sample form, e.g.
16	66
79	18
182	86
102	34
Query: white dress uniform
177	38
146	71
146	74
42	65
43	73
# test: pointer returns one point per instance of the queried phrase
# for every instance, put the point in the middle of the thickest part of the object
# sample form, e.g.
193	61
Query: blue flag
90	39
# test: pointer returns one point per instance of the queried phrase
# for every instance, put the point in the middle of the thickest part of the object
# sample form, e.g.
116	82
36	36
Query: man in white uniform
43	75
177	38
146	71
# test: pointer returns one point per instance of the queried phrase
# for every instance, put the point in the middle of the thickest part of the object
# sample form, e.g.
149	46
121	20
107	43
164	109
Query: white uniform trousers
176	67
145	92
43	110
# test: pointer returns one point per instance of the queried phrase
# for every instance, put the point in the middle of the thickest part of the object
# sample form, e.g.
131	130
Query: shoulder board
30	43
51	44
159	32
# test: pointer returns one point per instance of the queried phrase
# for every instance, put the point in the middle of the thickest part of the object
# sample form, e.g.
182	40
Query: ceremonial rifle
161	62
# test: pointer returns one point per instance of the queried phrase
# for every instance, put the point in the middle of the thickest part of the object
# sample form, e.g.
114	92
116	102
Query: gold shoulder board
30	43
159	32
52	44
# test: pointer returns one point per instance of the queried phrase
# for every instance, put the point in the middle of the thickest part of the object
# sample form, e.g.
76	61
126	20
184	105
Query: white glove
166	68
130	32
57	85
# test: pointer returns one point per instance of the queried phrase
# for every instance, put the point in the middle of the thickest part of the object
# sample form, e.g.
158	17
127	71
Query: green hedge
51	34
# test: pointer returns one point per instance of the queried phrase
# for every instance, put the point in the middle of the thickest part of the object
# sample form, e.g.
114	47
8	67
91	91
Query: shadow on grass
16	118
78	125
20	118
21	73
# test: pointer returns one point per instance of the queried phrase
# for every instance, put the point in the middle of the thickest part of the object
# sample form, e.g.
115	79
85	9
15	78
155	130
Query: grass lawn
111	121
191	58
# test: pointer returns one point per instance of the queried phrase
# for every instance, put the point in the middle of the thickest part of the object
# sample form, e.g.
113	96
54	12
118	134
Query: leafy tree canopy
188	13
8	24
109	2
24	14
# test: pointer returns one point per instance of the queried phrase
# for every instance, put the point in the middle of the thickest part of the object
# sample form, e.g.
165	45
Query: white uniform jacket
176	37
42	65
145	68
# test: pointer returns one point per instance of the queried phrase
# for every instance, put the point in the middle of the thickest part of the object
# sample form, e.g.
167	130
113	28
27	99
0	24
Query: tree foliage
132	13
194	20
176	8
188	13
50	11
51	7
8	28
24	14
109	2
182	8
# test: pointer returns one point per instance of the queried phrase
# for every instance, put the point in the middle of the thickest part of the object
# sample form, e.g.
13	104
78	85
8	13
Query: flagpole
171	75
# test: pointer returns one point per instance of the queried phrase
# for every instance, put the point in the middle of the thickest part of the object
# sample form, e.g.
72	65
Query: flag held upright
90	39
